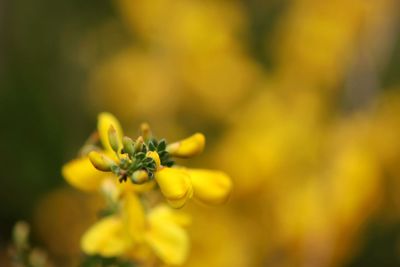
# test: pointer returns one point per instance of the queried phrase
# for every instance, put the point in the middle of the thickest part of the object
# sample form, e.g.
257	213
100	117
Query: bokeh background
299	100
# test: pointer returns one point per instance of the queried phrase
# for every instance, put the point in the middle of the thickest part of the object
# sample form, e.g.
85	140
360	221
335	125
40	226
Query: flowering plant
136	227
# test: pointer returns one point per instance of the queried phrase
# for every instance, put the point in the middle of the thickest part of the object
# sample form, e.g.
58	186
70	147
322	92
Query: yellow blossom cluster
130	174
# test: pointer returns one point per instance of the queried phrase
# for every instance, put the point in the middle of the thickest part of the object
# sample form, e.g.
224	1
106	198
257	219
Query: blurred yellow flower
130	232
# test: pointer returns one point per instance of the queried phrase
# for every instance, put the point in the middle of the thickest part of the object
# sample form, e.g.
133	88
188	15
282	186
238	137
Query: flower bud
37	258
138	144
140	177
105	121
128	145
188	147
113	138
20	235
145	131
100	161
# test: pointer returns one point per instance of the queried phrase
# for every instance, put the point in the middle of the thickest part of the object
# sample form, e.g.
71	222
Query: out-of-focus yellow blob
81	174
188	147
169	241
61	209
107	238
210	187
272	136
175	185
135	84
216	242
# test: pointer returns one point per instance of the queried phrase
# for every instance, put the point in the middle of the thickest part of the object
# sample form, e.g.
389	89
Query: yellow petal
106	238
169	241
210	187
81	174
188	147
104	121
175	185
133	216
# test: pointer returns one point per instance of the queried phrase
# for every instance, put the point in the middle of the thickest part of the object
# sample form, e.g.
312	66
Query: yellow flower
146	162
208	186
131	231
179	184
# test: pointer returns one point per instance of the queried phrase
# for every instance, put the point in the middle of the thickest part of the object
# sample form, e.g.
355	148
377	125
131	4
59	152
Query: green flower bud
37	258
20	235
100	161
128	145
145	131
138	144
113	138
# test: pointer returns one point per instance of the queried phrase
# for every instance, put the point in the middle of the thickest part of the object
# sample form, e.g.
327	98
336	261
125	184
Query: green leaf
162	145
152	146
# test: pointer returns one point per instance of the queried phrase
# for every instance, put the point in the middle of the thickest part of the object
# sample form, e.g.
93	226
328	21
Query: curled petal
169	241
188	147
175	185
81	174
154	155
106	238
104	122
210	187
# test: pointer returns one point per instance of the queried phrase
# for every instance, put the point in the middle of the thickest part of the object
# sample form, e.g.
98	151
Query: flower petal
133	216
104	121
106	238
81	174
175	185
165	213
210	187
188	147
169	241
